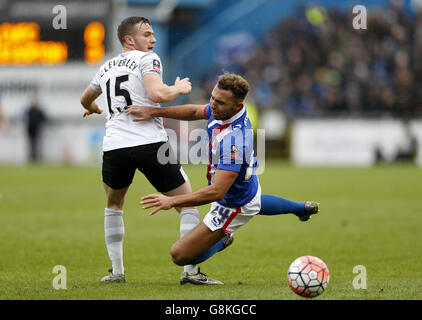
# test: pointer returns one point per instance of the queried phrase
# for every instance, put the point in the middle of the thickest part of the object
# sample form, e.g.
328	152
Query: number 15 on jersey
118	91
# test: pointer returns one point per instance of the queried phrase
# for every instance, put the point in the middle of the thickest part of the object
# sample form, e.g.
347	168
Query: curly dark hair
234	83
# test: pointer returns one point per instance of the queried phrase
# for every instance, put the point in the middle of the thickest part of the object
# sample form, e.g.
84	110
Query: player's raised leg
274	205
270	205
114	232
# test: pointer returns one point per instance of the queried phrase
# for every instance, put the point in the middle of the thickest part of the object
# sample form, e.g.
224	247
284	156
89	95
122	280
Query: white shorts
231	219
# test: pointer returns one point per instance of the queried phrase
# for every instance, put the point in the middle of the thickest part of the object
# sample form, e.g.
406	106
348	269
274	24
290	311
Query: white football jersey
120	79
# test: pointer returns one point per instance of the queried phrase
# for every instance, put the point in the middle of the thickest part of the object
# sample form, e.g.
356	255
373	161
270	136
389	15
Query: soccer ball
308	276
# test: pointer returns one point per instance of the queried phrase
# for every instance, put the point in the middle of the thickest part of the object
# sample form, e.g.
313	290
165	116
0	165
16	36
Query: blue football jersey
231	147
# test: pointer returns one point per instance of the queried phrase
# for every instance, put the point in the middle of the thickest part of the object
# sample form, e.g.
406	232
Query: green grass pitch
53	215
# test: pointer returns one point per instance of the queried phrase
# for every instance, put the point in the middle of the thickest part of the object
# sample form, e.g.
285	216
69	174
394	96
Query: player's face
223	104
143	37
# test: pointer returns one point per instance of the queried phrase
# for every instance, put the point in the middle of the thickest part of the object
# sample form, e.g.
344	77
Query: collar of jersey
232	119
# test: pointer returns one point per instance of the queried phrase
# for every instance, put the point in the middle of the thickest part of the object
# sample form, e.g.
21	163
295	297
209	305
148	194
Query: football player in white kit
134	77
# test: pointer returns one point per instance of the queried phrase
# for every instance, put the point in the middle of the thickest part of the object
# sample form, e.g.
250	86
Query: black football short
119	166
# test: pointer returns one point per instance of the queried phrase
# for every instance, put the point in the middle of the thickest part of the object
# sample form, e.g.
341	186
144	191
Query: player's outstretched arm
88	101
159	92
187	112
223	180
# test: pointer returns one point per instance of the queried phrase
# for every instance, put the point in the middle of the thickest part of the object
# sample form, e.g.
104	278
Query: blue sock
273	205
209	253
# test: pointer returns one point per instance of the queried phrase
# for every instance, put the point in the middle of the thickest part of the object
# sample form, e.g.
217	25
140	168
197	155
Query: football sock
210	252
189	219
273	205
114	232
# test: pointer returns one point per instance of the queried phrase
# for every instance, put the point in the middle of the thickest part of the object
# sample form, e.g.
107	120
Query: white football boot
114	277
198	278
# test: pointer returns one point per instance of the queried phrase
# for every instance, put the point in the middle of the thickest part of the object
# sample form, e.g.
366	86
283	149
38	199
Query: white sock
189	219
114	232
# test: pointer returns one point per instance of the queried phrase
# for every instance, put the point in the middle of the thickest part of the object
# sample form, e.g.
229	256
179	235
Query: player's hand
141	113
184	85
89	112
159	201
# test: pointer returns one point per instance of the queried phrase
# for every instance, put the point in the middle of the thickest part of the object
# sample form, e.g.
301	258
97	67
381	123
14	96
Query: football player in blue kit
233	186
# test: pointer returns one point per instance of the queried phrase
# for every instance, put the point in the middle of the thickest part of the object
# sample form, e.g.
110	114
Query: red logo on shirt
234	152
156	65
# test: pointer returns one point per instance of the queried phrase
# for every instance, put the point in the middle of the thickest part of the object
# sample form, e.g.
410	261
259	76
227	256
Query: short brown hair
126	27
234	83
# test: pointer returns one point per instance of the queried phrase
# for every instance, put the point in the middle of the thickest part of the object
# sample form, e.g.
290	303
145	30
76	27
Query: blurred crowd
315	63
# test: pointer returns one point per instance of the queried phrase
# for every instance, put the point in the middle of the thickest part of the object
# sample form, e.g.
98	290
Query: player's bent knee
176	255
179	255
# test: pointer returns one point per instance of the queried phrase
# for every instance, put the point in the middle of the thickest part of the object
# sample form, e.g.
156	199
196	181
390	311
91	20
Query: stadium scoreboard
26	43
32	38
